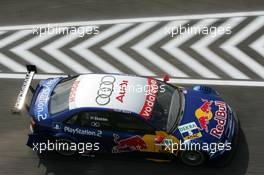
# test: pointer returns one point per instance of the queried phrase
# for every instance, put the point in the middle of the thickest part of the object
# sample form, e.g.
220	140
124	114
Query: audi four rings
129	114
105	90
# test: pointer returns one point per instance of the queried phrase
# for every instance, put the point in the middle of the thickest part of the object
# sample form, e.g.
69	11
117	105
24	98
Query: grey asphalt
14	12
16	158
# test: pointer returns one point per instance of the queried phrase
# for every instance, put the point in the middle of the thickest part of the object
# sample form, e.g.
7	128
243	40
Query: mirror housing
166	78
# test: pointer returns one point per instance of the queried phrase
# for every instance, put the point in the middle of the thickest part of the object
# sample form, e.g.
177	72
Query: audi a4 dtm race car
131	115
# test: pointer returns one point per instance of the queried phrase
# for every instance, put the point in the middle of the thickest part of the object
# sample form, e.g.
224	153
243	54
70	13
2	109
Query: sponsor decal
150	98
80	131
56	125
163	145
102	119
204	114
190	131
41	105
128	144
122	90
95	124
23	91
194	136
187	127
220	117
74	90
164	142
105	91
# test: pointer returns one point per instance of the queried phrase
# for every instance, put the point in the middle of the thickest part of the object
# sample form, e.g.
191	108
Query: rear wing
20	102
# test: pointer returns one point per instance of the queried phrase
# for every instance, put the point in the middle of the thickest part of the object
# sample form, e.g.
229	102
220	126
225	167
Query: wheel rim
192	158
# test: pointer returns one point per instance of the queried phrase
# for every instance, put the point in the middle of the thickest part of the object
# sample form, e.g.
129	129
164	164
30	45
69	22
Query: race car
129	114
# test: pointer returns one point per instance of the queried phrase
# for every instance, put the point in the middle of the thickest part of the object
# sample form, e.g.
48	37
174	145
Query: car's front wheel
192	158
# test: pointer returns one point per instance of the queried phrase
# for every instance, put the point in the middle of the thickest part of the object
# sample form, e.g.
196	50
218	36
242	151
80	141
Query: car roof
113	91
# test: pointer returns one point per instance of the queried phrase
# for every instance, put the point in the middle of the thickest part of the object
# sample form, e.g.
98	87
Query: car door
136	135
89	126
131	134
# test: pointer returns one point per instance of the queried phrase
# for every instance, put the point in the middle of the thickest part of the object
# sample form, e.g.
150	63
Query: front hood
205	117
40	103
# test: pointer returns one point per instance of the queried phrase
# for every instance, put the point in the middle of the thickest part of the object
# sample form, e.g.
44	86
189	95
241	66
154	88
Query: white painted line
172	80
217	82
22	76
258	45
143	49
22	51
53	49
82	49
230	46
11	64
2	32
14	37
113	49
135	20
6	61
201	47
172	47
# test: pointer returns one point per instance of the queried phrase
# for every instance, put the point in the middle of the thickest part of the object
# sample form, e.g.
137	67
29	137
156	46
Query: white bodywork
120	92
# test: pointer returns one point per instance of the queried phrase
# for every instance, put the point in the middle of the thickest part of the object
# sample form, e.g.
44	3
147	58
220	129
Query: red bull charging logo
204	114
128	144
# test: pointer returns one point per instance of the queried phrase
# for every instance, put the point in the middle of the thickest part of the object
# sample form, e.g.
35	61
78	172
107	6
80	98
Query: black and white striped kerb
143	48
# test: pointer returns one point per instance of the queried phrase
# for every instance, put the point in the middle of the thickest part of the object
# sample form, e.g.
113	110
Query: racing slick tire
65	152
192	158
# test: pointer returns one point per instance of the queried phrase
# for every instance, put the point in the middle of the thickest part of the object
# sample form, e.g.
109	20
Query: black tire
65	152
193	158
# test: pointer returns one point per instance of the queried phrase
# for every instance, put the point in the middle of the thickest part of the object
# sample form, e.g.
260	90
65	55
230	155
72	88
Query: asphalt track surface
16	158
15	12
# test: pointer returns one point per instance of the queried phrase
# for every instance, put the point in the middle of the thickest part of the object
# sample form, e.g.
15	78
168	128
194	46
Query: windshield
166	108
59	100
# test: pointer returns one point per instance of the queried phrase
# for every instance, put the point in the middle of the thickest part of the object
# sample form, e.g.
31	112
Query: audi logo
105	90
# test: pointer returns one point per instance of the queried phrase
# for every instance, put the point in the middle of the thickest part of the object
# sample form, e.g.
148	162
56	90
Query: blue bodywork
193	100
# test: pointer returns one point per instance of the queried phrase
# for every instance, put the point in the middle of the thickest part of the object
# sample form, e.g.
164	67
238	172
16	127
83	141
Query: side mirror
166	78
159	139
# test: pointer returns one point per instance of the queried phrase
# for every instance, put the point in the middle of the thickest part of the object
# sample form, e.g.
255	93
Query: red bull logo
220	117
128	144
204	114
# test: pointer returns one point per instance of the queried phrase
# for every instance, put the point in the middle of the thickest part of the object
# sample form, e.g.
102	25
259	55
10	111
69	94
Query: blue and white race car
129	114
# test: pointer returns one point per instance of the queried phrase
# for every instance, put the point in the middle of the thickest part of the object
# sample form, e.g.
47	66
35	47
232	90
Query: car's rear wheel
193	158
65	150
